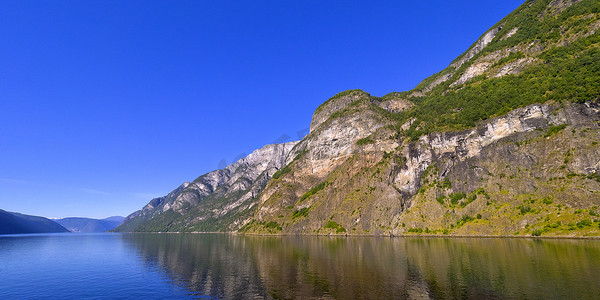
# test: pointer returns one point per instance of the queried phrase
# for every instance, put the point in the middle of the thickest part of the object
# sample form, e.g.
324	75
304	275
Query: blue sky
106	104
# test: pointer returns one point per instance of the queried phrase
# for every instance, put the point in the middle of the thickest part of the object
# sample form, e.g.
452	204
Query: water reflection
227	266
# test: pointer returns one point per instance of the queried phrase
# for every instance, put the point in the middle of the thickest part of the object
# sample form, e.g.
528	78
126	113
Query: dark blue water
172	266
80	266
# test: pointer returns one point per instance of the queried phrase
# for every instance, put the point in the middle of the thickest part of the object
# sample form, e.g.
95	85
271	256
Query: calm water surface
160	266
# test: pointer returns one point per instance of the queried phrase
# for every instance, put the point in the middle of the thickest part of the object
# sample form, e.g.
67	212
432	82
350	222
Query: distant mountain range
14	223
90	225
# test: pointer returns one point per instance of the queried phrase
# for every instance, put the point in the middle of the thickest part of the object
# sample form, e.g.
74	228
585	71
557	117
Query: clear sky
107	104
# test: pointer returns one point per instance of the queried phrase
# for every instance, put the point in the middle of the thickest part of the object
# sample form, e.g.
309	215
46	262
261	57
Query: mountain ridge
226	192
80	224
516	115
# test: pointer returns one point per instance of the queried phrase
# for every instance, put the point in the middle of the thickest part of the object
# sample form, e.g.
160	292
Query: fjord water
159	266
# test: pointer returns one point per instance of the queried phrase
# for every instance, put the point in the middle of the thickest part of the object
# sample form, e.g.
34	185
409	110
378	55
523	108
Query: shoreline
382	236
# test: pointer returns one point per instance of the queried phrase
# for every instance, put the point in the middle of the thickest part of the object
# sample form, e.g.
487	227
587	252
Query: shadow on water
228	266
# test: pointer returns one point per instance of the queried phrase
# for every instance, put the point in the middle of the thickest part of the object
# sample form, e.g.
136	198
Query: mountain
90	225
216	201
115	219
504	141
15	223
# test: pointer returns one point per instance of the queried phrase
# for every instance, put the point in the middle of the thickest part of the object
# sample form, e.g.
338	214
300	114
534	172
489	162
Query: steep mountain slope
504	141
15	223
467	151
89	225
216	201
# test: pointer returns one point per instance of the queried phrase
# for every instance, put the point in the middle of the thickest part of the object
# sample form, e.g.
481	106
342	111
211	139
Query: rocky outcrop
395	105
335	104
481	43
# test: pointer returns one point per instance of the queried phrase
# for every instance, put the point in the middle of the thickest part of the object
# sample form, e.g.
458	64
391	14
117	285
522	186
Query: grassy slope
570	71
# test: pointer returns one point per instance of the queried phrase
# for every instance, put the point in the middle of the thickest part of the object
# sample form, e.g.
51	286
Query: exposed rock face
509	177
557	6
510	33
335	104
515	67
472	71
481	43
395	105
367	191
464	145
192	206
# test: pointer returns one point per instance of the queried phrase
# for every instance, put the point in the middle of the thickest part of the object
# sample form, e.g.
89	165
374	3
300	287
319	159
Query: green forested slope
564	47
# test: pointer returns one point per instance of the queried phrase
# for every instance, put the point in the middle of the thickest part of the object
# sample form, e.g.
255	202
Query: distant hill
90	225
115	218
15	223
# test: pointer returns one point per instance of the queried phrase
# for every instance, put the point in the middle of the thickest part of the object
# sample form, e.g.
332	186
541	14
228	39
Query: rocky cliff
534	170
504	141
